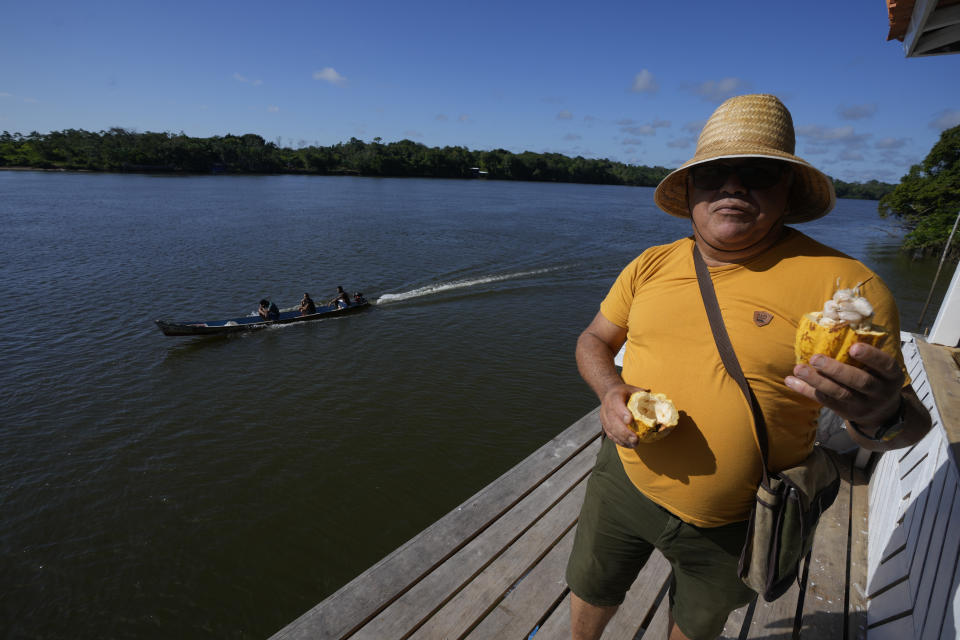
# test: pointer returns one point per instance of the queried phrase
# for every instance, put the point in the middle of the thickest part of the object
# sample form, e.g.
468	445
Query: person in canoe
307	306
358	298
268	310
341	300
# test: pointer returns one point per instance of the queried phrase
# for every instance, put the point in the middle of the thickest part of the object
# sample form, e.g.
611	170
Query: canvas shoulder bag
789	503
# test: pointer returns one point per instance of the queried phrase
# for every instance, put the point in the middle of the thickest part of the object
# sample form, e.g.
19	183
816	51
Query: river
156	487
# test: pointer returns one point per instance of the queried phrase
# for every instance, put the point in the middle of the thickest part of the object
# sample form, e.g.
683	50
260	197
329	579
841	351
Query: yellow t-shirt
706	471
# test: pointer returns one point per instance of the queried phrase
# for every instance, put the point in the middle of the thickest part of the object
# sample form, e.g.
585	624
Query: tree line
122	150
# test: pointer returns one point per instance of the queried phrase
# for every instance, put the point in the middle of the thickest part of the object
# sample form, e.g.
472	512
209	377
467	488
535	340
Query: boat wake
441	287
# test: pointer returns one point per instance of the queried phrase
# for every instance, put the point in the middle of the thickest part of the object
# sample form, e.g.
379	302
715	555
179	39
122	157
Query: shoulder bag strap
727	354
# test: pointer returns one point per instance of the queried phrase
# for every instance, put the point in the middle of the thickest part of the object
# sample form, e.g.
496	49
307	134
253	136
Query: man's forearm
595	361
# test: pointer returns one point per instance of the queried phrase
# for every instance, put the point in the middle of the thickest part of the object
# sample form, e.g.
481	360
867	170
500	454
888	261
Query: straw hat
752	126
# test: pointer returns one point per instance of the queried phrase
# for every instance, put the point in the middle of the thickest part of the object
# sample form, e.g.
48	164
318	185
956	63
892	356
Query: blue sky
629	81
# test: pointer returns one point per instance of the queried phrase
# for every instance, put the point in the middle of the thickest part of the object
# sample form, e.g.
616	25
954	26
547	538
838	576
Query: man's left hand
867	396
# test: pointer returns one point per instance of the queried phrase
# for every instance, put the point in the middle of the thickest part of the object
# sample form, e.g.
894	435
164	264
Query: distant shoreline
122	151
348	174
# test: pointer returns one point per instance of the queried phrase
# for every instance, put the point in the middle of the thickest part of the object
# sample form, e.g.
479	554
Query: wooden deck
494	568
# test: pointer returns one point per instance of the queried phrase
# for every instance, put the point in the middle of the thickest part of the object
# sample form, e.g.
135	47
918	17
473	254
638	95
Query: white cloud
640	130
946	119
681	143
273	108
573	136
721	90
643	129
632	142
845	136
329	74
891	143
694	127
564	115
644	82
851	155
856	111
4	94
441	117
464	118
241	78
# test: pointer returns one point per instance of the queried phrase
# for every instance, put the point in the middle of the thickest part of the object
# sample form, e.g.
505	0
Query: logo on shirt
762	318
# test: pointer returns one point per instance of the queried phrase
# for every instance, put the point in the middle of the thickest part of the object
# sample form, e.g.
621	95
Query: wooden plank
632	612
951	627
884	496
913	361
944	379
886	535
557	625
537	593
894	568
640	600
888	561
924	573
775	619
857	578
824	605
900	629
367	594
937	612
913	459
919	542
736	622
659	627
915	520
888	605
415	606
486	589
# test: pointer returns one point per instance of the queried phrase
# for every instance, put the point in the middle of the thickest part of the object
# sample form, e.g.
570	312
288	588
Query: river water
155	487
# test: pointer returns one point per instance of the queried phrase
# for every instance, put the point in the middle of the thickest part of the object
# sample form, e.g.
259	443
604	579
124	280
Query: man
341	300
268	310
690	493
307	305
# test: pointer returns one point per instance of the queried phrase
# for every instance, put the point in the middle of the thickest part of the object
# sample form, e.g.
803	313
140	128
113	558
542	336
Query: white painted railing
914	533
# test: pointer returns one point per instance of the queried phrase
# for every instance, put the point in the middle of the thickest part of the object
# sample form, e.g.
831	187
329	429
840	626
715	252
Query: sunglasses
752	174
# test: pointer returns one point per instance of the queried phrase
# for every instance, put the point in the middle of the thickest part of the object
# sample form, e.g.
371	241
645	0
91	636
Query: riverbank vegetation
927	199
123	150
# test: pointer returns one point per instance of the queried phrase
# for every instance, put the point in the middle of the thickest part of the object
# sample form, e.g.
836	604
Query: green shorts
619	528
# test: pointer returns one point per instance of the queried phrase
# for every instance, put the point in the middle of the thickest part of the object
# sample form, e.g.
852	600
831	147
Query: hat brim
812	195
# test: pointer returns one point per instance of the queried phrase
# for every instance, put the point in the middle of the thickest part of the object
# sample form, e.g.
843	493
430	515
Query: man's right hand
615	417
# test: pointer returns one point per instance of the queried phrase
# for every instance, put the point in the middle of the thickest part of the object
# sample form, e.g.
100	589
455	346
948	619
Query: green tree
927	199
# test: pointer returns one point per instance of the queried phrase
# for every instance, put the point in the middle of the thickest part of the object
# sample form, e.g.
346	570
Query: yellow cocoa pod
654	415
812	337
